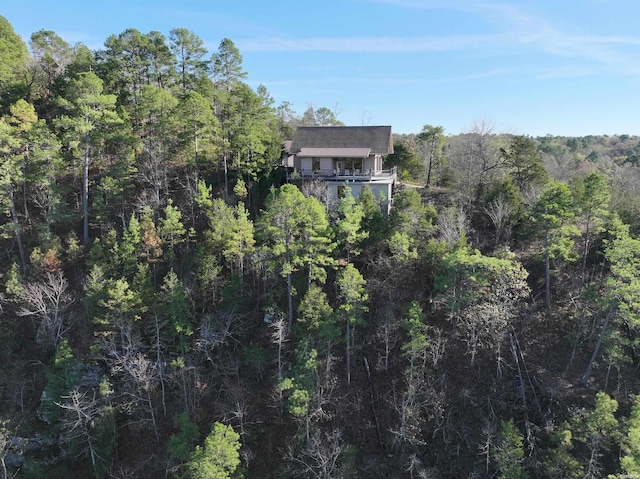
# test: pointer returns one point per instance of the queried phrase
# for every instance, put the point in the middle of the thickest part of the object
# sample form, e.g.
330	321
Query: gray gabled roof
377	138
334	152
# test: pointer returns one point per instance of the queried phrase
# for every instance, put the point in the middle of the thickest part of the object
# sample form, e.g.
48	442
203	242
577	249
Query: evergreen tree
296	231
349	230
630	462
508	453
432	141
353	298
13	57
219	457
553	211
592	199
523	162
90	113
189	51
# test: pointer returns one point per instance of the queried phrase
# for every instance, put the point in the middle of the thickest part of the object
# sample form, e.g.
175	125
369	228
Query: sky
531	67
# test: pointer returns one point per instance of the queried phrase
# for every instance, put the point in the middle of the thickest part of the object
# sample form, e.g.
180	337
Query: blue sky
535	67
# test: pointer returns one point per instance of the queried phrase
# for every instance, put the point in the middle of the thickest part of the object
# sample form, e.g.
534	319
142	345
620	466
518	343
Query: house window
353	164
315	165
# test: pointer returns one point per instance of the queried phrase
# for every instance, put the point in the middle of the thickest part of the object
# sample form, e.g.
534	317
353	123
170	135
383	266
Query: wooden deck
347	175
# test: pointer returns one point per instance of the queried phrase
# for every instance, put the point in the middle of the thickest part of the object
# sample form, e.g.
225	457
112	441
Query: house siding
336	170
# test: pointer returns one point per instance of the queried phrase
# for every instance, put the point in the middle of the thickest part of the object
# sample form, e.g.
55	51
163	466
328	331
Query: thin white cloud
335	80
518	31
373	44
474	76
565	72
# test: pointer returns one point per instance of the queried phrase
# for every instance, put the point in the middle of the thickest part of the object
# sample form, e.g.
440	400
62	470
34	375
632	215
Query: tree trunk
195	158
16	225
289	303
547	269
85	192
585	252
429	167
226	177
587	374
348	352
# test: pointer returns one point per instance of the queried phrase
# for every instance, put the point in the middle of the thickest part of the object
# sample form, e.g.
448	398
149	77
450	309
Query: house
343	155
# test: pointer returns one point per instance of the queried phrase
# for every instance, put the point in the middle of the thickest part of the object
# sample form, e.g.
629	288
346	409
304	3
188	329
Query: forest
171	306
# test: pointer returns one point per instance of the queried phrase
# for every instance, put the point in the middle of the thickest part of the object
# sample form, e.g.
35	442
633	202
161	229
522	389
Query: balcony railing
348	173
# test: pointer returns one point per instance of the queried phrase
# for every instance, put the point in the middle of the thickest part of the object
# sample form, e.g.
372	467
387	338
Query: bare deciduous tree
437	344
320	189
409	406
320	457
215	332
5	445
388	334
47	301
138	377
82	409
499	212
452	224
279	335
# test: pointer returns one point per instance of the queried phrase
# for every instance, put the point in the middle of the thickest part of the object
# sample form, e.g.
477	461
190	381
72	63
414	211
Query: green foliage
175	310
322	116
592	196
256	357
316	316
554	206
103	430
623	254
353	294
580	442
295	231
630	461
120	306
90	114
181	443
13	55
401	247
174	283
301	384
189	51
509	453
592	199
14	285
230	235
468	276
415	348
210	278
432	142
129	248
353	304
374	222
599	422
553	212
483	294
171	230
506	190
409	215
198	130
61	378
561	461
349	230
407	161
219	457
523	162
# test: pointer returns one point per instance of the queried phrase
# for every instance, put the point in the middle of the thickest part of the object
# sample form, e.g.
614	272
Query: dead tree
49	302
